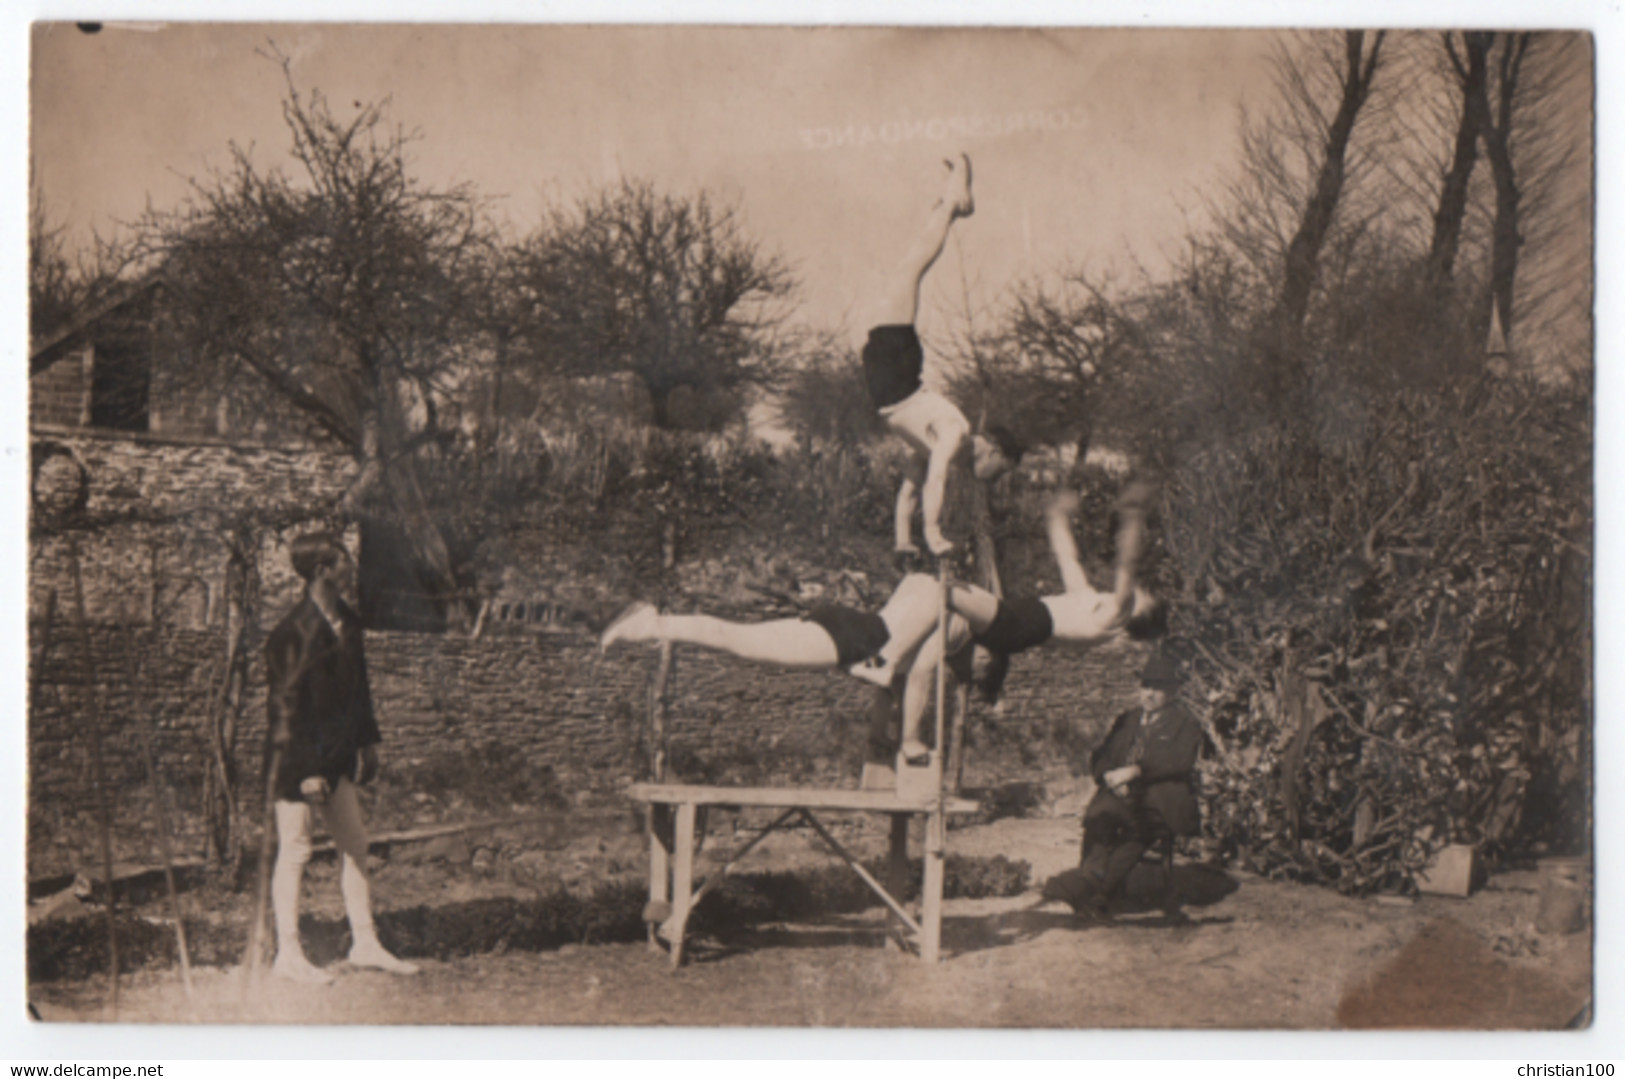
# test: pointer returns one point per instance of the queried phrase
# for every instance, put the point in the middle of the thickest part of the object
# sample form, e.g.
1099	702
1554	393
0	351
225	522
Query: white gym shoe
296	968
376	956
873	670
631	624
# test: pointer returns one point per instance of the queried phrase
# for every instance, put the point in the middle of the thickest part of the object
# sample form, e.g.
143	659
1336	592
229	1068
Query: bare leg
900	304
976	605
293	851
343	814
919	691
784	642
911	616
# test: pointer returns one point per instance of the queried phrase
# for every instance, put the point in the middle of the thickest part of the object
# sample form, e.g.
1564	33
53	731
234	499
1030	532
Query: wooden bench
674	807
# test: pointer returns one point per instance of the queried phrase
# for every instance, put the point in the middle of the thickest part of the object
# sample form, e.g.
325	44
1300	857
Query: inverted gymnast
935	430
1079	615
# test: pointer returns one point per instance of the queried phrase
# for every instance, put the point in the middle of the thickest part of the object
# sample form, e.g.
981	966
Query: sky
1090	148
536	114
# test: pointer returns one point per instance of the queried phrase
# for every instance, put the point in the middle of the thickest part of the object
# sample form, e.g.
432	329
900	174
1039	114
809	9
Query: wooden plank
791	797
734	858
857	867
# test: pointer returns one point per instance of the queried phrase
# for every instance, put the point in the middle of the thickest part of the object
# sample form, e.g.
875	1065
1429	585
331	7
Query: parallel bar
942	662
857	867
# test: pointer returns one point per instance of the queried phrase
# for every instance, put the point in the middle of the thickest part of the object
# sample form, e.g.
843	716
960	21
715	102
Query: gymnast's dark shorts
1018	625
857	634
892	363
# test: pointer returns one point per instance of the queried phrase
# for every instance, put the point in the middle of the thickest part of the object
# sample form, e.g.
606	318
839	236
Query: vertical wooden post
682	884
658	816
659	822
931	887
659	703
262	877
942	657
936	817
897	865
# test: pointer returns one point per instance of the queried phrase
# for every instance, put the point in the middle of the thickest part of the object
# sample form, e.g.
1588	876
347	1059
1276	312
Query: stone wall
151	537
539	700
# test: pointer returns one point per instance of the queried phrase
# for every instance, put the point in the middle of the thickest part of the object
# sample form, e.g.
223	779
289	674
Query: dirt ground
1249	953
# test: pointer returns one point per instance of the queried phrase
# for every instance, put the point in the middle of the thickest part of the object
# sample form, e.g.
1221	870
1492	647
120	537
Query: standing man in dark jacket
1143	776
323	740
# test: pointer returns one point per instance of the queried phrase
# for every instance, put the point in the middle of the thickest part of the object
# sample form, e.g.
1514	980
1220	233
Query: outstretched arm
1062	544
907	499
1131	506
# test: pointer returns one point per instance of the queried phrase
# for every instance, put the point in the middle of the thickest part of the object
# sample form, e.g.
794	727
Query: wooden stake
659	853
262	880
98	777
160	810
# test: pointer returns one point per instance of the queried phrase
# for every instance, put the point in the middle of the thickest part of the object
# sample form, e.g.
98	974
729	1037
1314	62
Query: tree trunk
1303	253
1498	148
1452	209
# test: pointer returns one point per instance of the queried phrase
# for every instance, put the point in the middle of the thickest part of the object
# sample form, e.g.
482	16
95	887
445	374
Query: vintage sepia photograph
1064	528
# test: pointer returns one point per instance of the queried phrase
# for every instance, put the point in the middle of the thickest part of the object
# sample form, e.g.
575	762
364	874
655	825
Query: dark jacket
1166	751
319	703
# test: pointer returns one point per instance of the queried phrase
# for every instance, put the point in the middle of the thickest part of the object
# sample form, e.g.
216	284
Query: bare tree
1495	125
1534	118
53	291
667	289
346	294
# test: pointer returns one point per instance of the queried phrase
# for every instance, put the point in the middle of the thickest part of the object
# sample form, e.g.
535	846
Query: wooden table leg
897	872
936	842
682	884
659	872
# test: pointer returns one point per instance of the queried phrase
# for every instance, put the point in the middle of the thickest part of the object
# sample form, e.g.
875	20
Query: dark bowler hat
1162	672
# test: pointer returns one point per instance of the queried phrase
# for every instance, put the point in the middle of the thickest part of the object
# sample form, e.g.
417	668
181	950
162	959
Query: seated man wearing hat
1143	772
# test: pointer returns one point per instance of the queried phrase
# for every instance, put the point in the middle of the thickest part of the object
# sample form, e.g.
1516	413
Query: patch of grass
76	949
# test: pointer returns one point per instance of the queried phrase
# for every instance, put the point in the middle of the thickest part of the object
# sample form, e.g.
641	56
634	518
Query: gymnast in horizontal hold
1079	615
829	635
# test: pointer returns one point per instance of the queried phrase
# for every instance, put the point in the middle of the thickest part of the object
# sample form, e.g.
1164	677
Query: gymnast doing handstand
934	428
